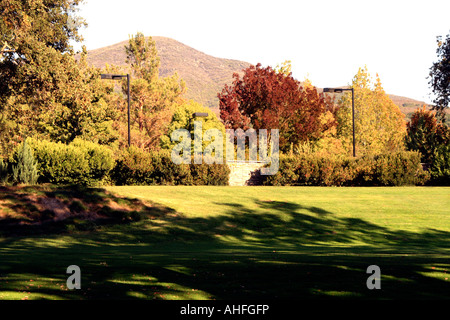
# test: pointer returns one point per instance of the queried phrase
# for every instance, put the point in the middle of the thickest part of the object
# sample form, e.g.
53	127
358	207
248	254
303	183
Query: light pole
117	77
198	114
339	90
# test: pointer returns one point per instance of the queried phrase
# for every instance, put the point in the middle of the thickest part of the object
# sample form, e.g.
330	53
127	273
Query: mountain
205	75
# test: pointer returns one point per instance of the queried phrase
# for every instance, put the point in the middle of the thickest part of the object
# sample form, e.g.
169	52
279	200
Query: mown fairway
241	242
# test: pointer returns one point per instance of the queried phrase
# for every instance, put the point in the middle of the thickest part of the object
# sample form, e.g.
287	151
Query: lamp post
339	90
117	77
198	114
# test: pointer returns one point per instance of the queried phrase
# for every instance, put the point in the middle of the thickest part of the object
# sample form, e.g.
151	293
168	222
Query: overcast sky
326	41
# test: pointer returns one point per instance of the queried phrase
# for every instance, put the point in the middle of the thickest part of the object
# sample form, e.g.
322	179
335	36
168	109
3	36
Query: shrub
135	166
210	174
398	169
402	168
80	162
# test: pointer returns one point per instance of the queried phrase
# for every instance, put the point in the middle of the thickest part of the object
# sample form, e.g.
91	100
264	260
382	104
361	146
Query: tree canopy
440	77
379	123
44	90
153	99
272	99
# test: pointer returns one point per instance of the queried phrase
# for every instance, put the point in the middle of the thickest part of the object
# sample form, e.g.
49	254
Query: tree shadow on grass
263	250
48	209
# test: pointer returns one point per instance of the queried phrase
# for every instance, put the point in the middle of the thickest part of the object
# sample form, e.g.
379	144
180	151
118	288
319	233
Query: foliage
24	166
183	119
4	173
432	140
47	92
30	30
81	162
138	167
424	133
440	165
268	99
402	168
153	99
379	123
440	77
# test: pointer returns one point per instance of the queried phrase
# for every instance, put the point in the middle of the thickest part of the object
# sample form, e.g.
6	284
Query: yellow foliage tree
380	126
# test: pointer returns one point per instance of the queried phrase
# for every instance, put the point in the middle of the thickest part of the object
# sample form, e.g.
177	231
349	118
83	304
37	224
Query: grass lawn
192	242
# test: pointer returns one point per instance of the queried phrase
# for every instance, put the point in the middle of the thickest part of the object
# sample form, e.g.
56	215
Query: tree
271	99
440	77
431	139
44	90
30	32
183	119
379	123
424	133
153	99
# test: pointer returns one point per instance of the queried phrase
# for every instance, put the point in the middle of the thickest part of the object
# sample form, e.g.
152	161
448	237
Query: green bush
398	169
440	166
80	162
395	169
138	167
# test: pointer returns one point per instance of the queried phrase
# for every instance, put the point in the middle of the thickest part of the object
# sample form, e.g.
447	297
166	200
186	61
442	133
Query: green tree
45	91
183	119
440	77
25	166
379	123
32	31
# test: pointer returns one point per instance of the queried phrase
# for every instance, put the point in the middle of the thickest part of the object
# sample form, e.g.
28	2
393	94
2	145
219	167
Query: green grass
241	242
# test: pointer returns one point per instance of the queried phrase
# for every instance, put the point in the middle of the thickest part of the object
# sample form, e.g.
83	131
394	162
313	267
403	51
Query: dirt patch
59	208
63	206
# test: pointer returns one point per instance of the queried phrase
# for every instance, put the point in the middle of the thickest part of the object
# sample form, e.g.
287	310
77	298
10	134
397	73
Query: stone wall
244	173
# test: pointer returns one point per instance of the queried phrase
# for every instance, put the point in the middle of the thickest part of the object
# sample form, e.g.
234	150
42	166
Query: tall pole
129	131
353	120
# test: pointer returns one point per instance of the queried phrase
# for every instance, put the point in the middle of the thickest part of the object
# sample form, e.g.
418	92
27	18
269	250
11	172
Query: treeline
61	123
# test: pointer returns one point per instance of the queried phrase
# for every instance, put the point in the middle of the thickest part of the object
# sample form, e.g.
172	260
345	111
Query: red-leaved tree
267	99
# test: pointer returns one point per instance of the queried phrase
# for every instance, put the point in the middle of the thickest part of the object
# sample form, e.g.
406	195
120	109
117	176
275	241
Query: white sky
326	41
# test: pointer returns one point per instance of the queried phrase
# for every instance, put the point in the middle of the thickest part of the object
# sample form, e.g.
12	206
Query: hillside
204	75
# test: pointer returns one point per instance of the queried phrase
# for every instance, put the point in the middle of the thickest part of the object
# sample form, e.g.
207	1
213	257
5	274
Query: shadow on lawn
48	209
281	250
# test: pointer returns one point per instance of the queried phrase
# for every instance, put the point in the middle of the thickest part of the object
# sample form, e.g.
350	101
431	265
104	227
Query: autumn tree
153	99
265	98
425	133
440	77
431	138
379	123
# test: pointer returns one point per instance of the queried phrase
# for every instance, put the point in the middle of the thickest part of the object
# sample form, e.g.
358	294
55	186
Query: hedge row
87	163
397	169
137	167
